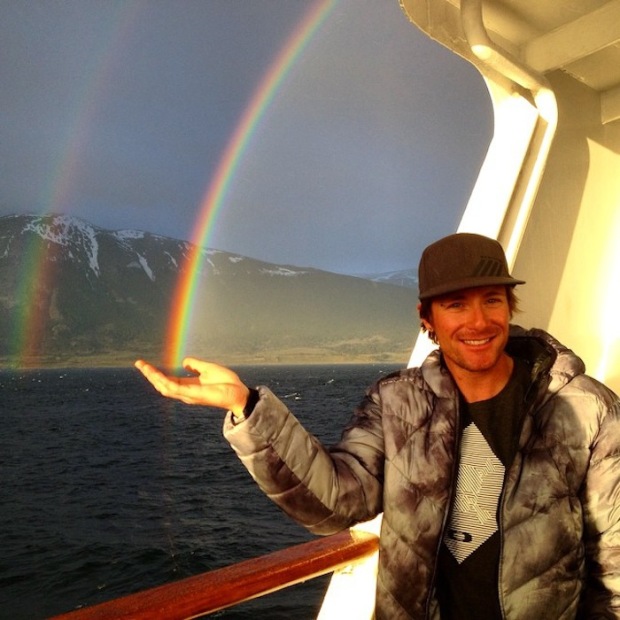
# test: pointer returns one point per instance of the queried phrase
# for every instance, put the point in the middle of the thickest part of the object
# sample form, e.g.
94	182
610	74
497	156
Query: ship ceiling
579	37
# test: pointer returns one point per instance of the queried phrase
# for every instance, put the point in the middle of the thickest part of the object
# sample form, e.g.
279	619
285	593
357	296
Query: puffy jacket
560	506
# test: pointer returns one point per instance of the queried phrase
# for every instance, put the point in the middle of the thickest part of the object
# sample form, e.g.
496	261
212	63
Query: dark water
106	488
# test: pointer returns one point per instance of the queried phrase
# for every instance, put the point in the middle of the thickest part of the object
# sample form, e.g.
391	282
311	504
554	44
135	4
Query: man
496	463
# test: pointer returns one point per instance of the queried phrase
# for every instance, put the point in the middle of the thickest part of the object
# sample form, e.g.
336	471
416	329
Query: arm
602	516
326	490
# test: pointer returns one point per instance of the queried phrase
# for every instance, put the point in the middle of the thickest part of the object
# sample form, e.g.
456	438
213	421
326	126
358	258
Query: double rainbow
30	325
180	317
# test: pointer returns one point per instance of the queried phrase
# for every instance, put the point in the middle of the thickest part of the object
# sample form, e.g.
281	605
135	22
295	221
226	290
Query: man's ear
427	325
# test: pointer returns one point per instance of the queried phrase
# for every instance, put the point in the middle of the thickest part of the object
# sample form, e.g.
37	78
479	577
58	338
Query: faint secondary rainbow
184	296
39	268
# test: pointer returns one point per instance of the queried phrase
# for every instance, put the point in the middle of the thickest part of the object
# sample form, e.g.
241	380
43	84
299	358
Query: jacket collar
552	365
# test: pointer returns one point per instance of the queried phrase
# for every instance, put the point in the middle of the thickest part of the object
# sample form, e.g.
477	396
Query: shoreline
280	358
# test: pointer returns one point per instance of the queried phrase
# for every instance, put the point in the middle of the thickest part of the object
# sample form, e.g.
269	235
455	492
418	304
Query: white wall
570	253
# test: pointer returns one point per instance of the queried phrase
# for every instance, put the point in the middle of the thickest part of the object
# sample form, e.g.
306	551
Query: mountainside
402	277
75	294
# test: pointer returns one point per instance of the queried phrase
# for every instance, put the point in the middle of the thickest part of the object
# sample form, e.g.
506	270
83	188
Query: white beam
610	105
575	40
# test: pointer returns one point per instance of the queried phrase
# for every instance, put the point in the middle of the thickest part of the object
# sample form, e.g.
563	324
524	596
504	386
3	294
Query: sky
120	112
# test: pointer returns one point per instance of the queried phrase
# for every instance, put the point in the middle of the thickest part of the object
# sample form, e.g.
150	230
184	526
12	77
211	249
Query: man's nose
478	315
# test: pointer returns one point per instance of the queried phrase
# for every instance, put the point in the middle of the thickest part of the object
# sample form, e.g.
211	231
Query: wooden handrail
225	587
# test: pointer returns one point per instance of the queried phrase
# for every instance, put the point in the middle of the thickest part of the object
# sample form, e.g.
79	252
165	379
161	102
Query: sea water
106	488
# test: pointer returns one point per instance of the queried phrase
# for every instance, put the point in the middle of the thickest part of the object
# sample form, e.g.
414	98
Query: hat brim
461	284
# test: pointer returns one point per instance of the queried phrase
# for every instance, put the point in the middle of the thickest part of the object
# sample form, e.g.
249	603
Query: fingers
164	385
189	390
152	374
210	372
213	385
146	369
200	367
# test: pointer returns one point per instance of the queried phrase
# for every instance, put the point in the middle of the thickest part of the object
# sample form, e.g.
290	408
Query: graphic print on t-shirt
478	488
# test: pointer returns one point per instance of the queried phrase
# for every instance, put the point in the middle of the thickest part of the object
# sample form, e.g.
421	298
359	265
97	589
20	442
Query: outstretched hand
213	385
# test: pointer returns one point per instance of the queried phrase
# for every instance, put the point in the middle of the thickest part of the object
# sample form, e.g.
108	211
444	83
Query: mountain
402	277
75	294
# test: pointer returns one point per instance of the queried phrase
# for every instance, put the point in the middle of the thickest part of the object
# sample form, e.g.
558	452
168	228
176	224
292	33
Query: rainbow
184	296
39	270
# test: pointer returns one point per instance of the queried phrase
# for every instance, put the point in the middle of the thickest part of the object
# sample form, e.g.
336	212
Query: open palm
212	385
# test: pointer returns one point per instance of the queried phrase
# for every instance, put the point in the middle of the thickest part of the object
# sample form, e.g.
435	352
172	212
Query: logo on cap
488	266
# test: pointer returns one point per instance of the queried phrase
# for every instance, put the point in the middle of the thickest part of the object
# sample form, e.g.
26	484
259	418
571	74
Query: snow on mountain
91	292
68	231
403	277
81	240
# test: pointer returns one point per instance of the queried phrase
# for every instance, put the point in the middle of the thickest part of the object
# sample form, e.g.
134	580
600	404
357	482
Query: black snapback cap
462	260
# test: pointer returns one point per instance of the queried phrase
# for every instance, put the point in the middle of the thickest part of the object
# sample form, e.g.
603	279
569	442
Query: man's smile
478	342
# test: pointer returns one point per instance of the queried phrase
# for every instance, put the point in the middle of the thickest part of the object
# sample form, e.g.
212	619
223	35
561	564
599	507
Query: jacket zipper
455	461
500	560
529	408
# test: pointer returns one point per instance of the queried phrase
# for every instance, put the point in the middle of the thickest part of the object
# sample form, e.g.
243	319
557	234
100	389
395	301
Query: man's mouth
477	342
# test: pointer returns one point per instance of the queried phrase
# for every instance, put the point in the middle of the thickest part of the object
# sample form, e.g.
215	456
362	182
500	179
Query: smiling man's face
471	327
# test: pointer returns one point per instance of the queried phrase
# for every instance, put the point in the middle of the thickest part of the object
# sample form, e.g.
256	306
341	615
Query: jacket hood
552	364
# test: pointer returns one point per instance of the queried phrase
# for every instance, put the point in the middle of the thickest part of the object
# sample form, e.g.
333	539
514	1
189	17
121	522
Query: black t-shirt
467	576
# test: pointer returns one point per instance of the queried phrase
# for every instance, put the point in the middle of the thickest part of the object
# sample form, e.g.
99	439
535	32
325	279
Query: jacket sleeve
601	501
325	490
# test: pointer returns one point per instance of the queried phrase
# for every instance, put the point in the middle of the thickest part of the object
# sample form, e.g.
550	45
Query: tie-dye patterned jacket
560	507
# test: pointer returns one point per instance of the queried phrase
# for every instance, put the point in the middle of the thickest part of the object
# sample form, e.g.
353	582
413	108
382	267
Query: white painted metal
554	206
